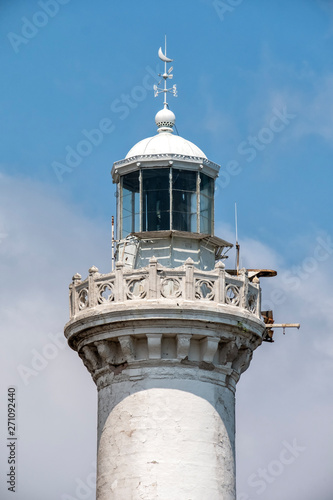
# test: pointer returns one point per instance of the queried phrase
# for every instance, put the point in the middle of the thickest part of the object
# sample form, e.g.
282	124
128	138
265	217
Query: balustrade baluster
93	273
220	283
74	297
245	289
152	288
119	283
189	279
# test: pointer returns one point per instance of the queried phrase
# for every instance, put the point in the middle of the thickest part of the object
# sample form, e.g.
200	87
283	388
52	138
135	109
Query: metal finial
166	75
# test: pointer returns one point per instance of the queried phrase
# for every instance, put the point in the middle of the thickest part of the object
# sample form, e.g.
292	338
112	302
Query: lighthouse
168	332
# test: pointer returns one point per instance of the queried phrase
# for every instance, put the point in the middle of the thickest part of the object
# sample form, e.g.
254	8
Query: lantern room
167	184
165	193
165	198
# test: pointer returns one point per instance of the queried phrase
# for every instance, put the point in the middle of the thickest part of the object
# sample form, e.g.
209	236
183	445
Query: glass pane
184	211
204	225
130	204
131	182
194	222
182	221
155	179
127	205
156	199
127	226
206	207
205	203
206	185
184	200
184	180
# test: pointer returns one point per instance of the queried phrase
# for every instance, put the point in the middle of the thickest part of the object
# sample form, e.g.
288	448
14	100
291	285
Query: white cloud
314	110
47	242
302	91
310	100
286	393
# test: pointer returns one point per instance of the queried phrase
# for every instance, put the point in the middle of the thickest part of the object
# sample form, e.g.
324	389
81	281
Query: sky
255	93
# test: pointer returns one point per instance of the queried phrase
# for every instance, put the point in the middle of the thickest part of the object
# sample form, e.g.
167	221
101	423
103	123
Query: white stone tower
166	334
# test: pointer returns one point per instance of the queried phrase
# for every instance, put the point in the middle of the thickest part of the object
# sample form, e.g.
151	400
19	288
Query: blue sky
238	69
231	74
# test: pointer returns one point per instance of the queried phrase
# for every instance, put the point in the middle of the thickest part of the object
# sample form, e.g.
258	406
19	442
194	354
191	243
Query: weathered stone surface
168	444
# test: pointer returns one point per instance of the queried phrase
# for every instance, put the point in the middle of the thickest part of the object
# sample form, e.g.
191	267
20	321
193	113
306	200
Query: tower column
166	443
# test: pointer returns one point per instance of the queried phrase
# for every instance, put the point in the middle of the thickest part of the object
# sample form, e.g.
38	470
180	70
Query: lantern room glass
206	203
159	199
155	199
130	201
184	200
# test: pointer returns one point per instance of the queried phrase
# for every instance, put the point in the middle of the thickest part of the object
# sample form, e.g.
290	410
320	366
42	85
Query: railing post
92	286
189	279
73	297
152	289
256	283
220	283
119	282
245	289
259	303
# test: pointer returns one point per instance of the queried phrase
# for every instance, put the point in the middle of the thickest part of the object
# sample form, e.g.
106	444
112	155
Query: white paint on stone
166	444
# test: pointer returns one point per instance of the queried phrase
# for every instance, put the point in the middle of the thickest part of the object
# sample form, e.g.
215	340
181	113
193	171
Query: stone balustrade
155	282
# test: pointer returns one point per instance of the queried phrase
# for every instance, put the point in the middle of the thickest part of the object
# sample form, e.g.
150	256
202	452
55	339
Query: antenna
237	244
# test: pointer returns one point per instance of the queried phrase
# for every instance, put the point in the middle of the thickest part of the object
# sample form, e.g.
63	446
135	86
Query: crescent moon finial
162	56
165	76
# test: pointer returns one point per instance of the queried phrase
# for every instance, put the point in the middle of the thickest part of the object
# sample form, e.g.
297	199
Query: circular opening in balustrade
106	293
232	295
204	289
136	288
83	299
170	287
252	303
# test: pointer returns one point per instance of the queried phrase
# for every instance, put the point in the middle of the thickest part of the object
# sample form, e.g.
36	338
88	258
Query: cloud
296	86
309	97
47	241
285	394
313	107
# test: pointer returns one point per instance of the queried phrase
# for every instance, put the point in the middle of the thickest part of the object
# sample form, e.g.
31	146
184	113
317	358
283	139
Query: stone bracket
107	354
90	357
209	347
128	347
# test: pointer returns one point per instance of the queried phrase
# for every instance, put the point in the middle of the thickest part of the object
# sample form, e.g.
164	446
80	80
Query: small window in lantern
184	200
130	203
156	199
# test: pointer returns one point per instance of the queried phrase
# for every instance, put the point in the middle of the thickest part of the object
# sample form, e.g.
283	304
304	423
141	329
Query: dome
165	143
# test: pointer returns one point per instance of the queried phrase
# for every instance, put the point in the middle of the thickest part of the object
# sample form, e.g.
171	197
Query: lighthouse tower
168	332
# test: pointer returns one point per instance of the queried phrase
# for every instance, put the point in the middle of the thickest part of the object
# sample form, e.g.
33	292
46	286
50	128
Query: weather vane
166	75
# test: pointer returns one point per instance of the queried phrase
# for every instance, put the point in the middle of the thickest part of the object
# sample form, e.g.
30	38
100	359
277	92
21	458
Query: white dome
165	143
